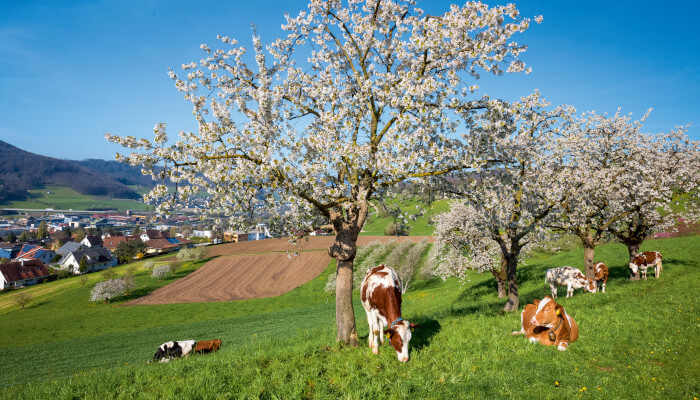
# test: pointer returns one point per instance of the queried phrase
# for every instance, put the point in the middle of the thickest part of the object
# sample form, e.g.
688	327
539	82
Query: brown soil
240	277
313	243
247	270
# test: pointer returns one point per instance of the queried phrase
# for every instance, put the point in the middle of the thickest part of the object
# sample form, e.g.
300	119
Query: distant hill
21	170
118	171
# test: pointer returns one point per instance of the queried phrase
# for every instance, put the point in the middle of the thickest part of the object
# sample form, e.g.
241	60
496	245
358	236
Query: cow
207	346
381	297
646	260
170	350
570	277
547	322
601	275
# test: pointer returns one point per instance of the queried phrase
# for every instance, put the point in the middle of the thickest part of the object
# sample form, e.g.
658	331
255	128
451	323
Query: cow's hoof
561	348
375	351
533	340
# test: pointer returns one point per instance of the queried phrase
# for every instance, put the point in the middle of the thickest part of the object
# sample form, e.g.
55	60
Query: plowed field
247	270
241	277
313	243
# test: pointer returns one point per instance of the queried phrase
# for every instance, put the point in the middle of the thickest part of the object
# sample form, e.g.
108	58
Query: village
44	246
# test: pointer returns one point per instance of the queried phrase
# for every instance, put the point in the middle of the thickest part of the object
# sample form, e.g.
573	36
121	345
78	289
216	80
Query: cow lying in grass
570	277
207	346
548	323
169	350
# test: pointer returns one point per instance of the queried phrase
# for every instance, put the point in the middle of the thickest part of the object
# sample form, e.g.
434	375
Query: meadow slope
639	340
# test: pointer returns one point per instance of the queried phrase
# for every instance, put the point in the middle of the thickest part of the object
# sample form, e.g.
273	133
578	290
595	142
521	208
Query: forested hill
121	172
21	170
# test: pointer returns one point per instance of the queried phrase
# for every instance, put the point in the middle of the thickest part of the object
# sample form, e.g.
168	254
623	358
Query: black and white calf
570	277
170	350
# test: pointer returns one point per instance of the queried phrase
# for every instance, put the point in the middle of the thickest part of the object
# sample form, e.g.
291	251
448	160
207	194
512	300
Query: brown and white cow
381	297
548	323
646	260
570	277
601	275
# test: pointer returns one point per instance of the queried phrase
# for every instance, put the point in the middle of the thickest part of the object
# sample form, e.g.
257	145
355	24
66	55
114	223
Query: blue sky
70	71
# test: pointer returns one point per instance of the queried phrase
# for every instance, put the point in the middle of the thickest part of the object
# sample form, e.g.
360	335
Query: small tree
83	280
109	289
128	250
22	299
193	254
160	271
79	235
83	264
43	230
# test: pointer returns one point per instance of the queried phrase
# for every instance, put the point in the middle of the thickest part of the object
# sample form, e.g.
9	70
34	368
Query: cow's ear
389	331
413	326
559	309
536	302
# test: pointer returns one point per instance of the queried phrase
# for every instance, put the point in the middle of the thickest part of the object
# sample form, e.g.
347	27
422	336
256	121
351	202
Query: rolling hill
21	171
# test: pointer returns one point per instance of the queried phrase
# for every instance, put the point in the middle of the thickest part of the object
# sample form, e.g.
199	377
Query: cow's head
580	281
599	273
400	336
634	267
591	285
547	312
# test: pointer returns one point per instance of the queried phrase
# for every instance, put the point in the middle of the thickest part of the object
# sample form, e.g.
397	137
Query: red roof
111	242
18	271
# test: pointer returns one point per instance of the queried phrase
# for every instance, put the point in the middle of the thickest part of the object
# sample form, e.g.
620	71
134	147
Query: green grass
64	198
639	340
376	224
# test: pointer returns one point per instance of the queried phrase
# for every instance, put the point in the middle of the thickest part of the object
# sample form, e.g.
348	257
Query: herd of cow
544	321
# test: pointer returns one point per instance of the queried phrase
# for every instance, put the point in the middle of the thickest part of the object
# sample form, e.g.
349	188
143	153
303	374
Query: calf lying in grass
170	350
546	322
207	346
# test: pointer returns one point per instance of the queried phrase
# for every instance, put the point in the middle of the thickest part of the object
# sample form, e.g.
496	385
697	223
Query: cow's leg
553	288
522	328
603	286
381	330
370	337
657	269
563	346
569	290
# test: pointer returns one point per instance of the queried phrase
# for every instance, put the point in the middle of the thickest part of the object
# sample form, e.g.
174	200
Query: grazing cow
170	350
381	298
207	346
548	323
601	275
570	277
646	260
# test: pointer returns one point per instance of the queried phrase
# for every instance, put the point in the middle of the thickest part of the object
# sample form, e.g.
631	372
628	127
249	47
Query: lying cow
207	346
548	323
646	260
381	297
570	277
601	275
170	350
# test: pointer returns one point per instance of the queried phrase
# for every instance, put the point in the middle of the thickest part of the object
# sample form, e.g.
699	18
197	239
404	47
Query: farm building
97	259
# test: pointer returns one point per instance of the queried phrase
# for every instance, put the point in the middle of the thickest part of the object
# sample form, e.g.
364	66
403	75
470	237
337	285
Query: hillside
21	171
118	171
639	340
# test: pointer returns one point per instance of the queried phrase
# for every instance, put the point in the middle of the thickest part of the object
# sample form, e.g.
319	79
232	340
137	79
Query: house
70	247
235	236
97	258
152	234
22	273
92	241
160	246
34	252
111	242
201	234
9	250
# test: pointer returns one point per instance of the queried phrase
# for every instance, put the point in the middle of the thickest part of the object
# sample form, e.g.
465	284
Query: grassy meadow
376	224
65	198
639	340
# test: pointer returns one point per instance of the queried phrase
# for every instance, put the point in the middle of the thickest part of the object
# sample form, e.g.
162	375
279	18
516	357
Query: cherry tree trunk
501	276
511	273
588	260
343	250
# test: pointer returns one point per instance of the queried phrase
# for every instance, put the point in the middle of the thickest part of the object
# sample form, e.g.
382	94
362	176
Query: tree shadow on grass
423	334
